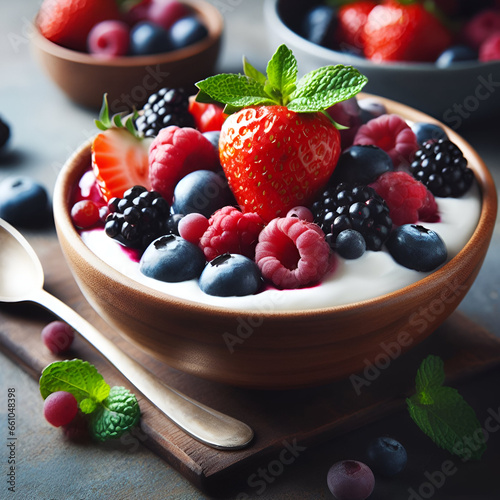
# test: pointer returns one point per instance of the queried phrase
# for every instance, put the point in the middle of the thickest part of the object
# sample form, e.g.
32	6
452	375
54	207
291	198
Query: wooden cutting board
302	417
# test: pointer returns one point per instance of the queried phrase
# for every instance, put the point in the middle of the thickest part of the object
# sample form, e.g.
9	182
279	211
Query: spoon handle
199	421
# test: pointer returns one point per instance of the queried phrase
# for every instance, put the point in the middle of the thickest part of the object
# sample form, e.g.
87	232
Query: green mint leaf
282	74
76	376
253	73
87	405
118	413
430	373
443	414
326	86
237	91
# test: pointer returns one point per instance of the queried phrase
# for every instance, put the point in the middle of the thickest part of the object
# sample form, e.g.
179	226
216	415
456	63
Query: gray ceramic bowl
455	95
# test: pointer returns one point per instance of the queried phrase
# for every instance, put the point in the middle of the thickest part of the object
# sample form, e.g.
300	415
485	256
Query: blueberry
428	131
386	456
350	244
24	202
213	136
4	133
319	24
148	38
230	275
201	191
361	165
187	31
371	108
416	247
172	259
457	53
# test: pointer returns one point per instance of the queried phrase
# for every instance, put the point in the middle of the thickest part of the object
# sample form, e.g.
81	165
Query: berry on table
172	259
292	253
85	214
386	456
192	226
442	167
416	247
392	134
202	191
353	207
361	165
231	275
138	218
24	202
350	480
164	108
186	31
60	408
409	201
109	39
176	152
149	38
58	336
231	231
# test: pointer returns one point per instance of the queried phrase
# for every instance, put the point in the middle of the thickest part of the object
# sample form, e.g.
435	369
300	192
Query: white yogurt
370	276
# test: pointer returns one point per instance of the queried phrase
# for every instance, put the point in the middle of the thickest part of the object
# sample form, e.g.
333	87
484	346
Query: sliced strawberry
119	161
208	117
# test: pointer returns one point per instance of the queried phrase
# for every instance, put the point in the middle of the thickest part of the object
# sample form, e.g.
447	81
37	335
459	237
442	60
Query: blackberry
360	208
441	166
164	108
138	218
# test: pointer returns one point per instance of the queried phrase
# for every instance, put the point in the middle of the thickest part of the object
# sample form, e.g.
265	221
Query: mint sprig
113	410
443	414
315	91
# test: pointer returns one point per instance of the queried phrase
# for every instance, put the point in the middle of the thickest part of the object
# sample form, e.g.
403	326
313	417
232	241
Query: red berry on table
166	12
404	32
409	201
109	39
278	148
391	134
293	253
351	19
60	408
58	336
231	231
350	480
490	48
119	161
68	22
85	214
176	152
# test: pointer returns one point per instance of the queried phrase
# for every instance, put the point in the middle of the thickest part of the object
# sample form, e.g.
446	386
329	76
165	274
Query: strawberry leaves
315	91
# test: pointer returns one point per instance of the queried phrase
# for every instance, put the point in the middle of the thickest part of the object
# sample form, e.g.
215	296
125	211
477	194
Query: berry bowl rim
472	253
215	30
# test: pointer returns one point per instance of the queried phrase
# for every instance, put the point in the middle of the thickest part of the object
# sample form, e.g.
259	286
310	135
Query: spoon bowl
21	280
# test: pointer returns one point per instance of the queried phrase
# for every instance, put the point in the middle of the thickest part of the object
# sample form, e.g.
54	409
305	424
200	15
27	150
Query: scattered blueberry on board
386	456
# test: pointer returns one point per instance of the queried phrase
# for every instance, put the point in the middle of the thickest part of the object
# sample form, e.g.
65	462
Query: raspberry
60	408
231	231
442	167
392	134
293	253
58	336
409	201
481	27
490	48
176	152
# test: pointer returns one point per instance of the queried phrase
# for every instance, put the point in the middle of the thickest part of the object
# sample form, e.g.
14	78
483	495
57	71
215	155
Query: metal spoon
21	280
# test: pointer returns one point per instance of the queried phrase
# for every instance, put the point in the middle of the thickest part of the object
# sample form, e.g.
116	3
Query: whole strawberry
404	31
278	149
68	22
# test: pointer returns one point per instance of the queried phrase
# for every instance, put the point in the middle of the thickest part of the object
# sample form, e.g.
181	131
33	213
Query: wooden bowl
130	80
274	349
458	94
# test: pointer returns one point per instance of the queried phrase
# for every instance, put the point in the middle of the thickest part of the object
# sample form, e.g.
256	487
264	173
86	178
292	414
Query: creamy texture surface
370	276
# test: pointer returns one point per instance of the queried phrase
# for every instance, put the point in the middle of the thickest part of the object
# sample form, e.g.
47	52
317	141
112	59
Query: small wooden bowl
130	80
275	350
